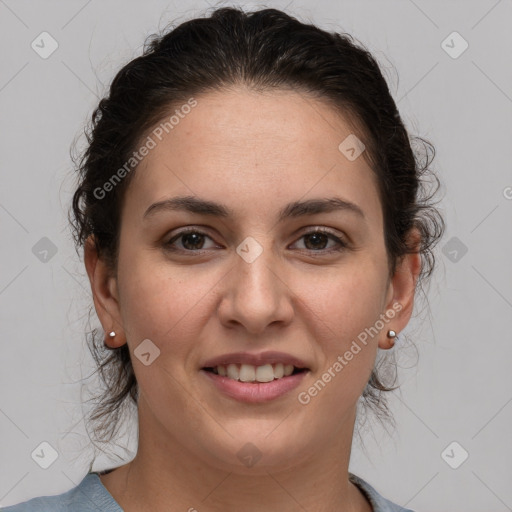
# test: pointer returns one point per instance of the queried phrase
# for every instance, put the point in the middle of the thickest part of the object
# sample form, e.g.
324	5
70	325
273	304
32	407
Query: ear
401	289
105	294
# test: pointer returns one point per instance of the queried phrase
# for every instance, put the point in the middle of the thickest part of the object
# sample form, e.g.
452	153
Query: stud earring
392	337
111	336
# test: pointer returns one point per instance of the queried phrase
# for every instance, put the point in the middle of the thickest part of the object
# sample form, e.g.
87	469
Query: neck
165	475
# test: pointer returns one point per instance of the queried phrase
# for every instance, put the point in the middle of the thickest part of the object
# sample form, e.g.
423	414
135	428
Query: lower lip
255	392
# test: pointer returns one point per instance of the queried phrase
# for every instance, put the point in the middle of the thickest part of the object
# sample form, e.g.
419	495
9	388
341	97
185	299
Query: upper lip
254	359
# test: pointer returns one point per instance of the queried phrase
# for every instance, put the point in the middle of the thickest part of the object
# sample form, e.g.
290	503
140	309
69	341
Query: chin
258	450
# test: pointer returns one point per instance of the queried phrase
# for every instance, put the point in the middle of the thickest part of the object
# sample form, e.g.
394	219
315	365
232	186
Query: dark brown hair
263	50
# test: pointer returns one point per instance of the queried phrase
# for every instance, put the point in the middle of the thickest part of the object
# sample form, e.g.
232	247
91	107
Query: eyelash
342	245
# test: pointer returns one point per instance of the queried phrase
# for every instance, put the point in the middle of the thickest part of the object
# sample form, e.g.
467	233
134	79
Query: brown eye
191	241
317	240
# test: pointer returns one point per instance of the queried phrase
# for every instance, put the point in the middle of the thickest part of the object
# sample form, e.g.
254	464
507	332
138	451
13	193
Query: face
253	287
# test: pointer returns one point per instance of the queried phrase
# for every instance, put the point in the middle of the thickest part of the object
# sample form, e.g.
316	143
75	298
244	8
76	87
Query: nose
255	292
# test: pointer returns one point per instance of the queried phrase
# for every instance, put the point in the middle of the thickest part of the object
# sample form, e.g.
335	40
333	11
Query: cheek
162	302
347	300
349	309
346	308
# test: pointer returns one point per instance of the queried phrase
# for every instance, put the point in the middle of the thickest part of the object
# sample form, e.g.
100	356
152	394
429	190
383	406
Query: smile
251	373
263	383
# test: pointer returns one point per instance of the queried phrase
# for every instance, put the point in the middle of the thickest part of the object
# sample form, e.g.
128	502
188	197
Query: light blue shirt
90	495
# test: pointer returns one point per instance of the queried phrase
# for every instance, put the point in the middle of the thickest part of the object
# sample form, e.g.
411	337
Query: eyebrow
294	209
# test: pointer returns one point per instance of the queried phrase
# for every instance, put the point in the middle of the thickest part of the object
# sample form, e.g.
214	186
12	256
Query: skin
254	152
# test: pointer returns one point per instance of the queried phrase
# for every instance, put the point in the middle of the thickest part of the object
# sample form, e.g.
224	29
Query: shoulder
378	502
88	496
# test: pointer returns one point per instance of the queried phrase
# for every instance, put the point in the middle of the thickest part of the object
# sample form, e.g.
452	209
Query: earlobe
401	291
105	296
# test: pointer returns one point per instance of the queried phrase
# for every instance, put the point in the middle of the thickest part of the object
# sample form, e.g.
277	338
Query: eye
192	240
317	238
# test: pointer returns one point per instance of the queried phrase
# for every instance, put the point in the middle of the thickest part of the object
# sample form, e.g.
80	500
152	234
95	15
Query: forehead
261	149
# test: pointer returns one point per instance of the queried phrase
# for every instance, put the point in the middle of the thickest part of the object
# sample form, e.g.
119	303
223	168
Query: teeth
265	373
250	373
247	373
233	371
278	370
288	369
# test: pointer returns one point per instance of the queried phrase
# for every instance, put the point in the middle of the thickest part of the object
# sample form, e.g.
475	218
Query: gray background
459	390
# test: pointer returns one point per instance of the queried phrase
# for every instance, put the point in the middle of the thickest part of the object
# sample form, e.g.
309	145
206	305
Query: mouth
251	373
254	378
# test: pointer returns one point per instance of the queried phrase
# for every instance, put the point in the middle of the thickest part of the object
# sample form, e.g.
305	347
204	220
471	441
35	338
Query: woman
254	230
